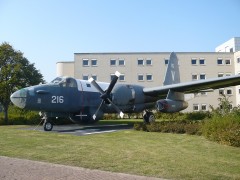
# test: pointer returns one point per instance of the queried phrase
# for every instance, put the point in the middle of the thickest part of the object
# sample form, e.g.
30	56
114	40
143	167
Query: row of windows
148	62
202	61
149	77
198	76
222	62
227	91
195	61
141	77
204	107
141	62
203	75
86	62
200	107
114	62
119	62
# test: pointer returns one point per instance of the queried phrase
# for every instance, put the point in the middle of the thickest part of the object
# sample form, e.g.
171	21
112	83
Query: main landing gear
148	117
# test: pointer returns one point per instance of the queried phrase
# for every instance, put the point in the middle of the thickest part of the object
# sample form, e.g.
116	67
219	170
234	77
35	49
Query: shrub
223	129
140	126
19	116
224	125
179	127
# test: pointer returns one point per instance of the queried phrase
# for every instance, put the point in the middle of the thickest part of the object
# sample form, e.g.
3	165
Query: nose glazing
19	98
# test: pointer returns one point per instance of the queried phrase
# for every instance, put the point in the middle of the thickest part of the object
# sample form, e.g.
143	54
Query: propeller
105	95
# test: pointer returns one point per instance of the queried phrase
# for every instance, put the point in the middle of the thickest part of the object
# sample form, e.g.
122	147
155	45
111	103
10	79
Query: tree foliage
16	72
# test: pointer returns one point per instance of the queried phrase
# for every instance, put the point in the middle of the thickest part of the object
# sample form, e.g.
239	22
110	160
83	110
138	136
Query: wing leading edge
194	86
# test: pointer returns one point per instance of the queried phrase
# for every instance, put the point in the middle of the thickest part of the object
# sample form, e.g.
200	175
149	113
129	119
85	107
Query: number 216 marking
57	99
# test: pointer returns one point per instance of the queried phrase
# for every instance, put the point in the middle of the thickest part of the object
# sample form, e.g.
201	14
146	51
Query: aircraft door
72	94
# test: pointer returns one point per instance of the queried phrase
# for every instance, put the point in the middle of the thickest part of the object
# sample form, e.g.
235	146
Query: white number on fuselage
57	99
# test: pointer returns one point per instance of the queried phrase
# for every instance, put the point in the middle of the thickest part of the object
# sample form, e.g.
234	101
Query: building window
238	60
122	77
231	50
220	74
85	77
229	92
195	107
121	62
94	77
94	62
112	62
112	76
202	61
228	74
194	61
204	107
140	62
85	62
149	77
228	62
166	61
140	77
148	62
230	106
220	62
202	76
194	77
221	91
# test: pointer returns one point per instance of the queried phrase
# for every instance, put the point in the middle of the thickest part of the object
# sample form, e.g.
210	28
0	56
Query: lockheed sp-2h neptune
86	101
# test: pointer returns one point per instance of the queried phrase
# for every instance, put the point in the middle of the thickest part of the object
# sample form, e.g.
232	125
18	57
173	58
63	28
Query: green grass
170	156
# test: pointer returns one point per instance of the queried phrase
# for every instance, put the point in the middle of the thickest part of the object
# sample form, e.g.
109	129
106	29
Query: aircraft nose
19	98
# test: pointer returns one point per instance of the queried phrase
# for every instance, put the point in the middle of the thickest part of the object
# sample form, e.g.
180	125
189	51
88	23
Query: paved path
20	169
81	130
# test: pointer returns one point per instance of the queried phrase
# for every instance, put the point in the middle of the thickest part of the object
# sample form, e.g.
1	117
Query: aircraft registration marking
57	99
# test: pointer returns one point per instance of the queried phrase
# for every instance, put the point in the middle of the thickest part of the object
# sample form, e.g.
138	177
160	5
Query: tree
16	72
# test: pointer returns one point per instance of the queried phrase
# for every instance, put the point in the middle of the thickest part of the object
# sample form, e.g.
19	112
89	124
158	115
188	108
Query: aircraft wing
194	86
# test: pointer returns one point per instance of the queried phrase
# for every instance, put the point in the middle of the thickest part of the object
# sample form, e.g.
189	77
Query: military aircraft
86	101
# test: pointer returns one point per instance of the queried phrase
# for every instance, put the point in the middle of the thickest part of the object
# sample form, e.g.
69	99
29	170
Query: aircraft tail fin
172	75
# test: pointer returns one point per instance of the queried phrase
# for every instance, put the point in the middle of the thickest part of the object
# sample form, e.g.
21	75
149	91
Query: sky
49	31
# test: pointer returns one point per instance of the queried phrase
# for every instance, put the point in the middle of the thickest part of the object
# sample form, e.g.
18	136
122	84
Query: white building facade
148	69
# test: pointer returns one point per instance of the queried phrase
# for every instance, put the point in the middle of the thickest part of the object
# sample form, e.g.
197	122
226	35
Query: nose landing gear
47	125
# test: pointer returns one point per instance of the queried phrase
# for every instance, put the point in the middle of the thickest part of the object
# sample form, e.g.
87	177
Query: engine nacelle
170	106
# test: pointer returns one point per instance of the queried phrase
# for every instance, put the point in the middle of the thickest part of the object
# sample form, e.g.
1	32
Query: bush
223	129
201	115
179	127
19	116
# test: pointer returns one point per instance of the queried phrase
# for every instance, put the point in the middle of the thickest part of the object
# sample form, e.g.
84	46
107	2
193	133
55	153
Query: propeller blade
116	108
95	84
113	82
95	115
106	95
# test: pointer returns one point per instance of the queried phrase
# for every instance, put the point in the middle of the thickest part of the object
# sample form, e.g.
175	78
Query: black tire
47	126
149	117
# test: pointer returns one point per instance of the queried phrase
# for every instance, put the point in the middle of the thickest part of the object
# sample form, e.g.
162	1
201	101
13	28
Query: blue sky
48	31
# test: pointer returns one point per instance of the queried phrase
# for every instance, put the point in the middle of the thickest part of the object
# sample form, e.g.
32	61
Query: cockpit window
57	80
65	82
70	82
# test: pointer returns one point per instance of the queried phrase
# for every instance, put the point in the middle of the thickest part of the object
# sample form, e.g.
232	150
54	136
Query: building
232	45
148	69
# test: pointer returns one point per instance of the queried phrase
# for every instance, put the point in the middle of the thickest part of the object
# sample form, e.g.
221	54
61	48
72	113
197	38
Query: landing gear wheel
148	117
47	126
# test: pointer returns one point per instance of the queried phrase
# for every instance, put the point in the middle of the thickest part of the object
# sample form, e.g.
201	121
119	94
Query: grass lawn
150	154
